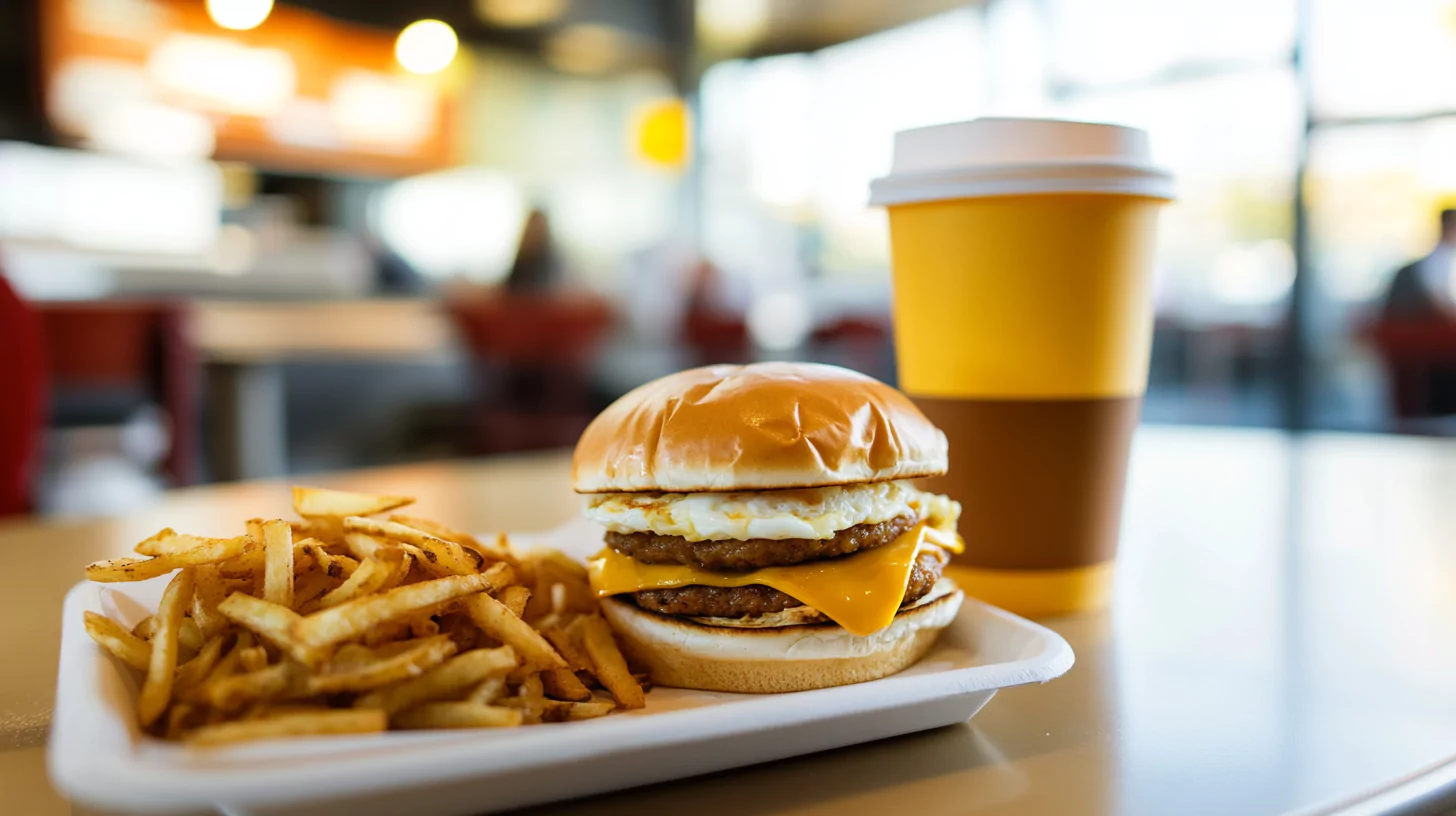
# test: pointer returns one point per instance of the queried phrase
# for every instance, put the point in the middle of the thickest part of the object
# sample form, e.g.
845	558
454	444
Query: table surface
1283	640
253	332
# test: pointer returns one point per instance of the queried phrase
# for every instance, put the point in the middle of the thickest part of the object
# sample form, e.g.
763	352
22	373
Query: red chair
532	354
859	342
22	409
107	358
1420	362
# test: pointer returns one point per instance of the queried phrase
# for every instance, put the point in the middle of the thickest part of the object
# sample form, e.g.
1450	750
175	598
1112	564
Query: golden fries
140	569
343	623
409	663
162	668
291	725
458	715
278	558
354	618
445	681
316	501
495	619
114	638
608	662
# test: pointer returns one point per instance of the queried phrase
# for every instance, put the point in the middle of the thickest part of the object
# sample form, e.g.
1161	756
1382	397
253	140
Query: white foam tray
99	758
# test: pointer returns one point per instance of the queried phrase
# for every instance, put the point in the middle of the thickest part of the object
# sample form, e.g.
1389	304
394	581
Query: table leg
246	421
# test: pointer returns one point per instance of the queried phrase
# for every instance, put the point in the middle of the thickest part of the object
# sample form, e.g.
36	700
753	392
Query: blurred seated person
1416	331
713	328
1422	291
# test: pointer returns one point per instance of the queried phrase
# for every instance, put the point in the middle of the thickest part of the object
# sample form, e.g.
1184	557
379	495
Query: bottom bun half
686	654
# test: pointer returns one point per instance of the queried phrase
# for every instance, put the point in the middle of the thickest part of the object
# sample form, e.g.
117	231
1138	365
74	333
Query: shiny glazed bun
756	427
684	654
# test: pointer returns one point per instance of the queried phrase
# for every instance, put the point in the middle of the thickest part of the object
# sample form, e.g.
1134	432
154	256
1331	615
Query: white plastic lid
1002	157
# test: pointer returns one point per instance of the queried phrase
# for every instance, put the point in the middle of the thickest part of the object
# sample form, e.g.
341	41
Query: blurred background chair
532	355
1420	365
112	361
22	409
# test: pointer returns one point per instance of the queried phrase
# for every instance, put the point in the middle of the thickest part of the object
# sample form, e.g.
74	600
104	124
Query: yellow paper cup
1023	259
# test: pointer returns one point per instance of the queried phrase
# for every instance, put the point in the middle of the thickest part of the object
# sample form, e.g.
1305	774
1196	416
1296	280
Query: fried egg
815	513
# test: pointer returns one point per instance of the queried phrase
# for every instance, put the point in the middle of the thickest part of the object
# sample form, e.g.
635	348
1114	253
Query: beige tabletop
1283	640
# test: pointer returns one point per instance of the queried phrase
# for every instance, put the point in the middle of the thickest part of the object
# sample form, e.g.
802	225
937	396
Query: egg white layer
816	513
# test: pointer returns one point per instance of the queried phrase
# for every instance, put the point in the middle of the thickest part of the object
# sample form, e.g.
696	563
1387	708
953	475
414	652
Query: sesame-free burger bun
682	653
756	427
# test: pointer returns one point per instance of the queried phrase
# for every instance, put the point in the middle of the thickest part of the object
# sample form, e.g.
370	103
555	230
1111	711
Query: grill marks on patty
756	599
739	556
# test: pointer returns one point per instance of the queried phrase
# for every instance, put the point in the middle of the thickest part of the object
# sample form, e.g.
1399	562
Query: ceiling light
519	13
239	15
586	48
426	46
732	24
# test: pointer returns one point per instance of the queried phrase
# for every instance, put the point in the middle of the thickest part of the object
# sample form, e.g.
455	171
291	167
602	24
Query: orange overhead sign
299	91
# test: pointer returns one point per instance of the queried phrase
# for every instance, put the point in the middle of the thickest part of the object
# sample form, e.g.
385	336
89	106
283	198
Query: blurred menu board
300	91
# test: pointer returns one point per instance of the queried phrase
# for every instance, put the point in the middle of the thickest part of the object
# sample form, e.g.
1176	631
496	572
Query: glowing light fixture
426	46
661	133
586	48
732	24
519	13
239	15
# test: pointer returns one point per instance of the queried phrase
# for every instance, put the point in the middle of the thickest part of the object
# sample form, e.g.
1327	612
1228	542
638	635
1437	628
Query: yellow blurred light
426	47
661	133
519	13
239	15
586	48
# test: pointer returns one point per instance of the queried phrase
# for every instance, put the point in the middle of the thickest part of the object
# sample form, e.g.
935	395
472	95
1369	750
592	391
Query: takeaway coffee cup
1023	271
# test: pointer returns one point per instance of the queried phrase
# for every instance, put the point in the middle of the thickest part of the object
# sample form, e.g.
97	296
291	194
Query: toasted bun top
756	427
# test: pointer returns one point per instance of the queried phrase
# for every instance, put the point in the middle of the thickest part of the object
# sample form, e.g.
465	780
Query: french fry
608	664
489	690
458	715
234	692
207	593
409	663
352	619
198	668
162	668
171	542
495	619
557	711
189	635
445	680
230	662
515	598
440	555
278	557
114	638
275	624
254	659
373	572
141	569
562	684
346	721
309	591
318	501
567	647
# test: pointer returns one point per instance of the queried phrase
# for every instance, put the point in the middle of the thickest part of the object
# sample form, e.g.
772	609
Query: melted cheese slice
861	592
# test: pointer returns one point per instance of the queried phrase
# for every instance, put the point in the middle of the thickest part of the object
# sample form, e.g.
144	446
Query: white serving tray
98	758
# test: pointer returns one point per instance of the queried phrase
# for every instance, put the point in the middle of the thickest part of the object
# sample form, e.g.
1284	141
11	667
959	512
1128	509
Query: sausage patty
756	599
650	548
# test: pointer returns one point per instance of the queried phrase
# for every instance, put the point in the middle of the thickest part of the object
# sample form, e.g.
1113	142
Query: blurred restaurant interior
258	239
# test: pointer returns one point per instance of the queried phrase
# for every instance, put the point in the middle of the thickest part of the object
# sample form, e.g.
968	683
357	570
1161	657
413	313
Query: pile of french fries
350	622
